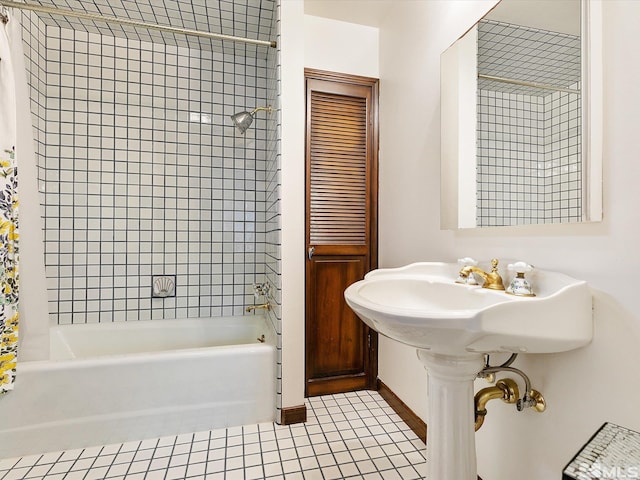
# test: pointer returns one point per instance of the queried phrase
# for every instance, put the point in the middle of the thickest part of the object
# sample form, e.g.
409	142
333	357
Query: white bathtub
123	381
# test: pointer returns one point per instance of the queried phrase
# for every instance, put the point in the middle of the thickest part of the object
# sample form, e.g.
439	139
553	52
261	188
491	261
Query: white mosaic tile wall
563	153
272	199
510	155
529	139
143	174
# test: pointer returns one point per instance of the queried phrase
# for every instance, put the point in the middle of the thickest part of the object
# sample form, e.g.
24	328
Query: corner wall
272	199
291	175
583	388
34	321
353	49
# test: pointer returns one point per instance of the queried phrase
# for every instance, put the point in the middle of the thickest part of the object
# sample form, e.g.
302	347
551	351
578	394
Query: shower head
243	120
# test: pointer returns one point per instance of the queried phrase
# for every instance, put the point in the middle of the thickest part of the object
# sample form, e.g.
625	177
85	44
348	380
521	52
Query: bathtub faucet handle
261	289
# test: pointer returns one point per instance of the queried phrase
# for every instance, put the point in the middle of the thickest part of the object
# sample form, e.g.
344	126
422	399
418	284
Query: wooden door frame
373	145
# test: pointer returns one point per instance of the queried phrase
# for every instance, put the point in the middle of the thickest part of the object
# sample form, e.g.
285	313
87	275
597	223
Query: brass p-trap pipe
505	389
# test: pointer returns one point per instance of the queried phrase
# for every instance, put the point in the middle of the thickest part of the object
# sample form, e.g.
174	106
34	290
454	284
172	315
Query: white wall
340	47
583	388
305	42
292	200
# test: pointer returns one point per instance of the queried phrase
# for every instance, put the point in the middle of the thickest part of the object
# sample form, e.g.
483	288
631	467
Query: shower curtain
8	219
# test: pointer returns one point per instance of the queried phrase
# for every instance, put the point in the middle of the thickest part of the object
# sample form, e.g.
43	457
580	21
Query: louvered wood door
341	156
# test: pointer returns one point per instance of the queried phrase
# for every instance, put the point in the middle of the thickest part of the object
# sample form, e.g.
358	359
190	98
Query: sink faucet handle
469	279
463	262
519	285
520	267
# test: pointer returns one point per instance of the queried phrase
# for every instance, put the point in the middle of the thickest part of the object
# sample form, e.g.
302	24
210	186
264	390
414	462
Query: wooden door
341	228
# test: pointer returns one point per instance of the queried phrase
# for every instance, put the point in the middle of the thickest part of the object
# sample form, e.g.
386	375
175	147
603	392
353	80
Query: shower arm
131	23
257	109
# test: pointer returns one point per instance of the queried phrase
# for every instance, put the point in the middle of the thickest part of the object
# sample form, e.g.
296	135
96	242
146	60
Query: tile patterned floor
354	435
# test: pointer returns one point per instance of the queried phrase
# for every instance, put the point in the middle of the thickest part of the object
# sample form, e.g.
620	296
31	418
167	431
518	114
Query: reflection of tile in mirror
529	126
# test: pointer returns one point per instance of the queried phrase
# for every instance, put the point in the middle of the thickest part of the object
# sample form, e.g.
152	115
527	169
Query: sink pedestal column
451	446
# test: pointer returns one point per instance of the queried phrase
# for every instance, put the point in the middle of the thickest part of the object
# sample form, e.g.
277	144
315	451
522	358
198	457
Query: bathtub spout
251	308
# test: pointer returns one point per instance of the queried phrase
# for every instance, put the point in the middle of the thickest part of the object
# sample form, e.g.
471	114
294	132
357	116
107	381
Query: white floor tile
354	435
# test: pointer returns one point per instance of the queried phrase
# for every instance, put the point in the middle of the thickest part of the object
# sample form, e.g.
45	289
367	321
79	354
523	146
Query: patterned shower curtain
8	220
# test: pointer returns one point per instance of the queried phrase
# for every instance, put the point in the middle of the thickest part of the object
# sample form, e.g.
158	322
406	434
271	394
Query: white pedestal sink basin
420	305
453	326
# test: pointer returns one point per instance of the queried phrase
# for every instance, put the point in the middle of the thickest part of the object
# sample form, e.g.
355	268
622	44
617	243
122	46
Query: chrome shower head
243	120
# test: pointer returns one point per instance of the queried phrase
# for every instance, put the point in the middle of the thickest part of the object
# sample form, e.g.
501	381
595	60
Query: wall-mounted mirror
521	108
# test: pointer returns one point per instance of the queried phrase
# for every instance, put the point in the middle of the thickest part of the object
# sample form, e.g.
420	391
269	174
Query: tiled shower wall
142	174
529	140
563	154
272	220
510	157
34	36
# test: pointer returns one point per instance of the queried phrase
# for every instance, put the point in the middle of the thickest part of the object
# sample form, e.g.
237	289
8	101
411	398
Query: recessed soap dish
163	286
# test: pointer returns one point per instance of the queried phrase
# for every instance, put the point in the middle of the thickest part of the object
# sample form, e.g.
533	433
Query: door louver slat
338	147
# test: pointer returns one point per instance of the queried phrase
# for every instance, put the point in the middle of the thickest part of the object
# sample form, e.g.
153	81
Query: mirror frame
458	99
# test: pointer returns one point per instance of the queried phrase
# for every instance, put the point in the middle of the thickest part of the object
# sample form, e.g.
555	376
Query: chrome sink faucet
492	279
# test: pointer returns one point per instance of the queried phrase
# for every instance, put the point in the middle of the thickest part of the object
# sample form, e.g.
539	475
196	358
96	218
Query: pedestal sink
452	326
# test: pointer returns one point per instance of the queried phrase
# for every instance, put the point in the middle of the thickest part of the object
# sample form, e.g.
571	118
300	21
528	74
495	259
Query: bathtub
123	381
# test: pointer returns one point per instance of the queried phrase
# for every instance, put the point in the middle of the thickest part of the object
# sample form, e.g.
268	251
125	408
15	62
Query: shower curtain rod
132	23
528	84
